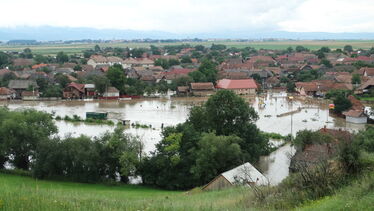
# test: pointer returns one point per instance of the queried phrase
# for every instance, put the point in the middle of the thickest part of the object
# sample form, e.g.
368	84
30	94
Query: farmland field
49	49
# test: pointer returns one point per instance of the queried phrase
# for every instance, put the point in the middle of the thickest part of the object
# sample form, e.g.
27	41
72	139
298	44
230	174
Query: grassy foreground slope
25	193
357	196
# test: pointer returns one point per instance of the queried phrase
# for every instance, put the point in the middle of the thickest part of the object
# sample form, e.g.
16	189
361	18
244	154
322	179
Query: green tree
117	78
348	48
27	54
200	48
22	132
209	69
101	83
39	59
164	63
52	91
307	137
216	154
197	76
291	86
325	49
77	68
327	63
300	48
341	104
356	79
186	59
62	57
42	83
173	62
4	59
228	113
97	49
62	80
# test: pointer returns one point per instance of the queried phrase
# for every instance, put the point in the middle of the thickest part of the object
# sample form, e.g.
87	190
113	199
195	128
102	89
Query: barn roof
245	173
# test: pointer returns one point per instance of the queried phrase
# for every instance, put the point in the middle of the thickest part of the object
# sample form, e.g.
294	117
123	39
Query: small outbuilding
202	89
355	116
244	174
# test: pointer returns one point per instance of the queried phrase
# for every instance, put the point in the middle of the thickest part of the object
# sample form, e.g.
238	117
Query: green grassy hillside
358	196
25	193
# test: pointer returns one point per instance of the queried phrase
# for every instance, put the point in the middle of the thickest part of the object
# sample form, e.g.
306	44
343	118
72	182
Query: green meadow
47	49
25	193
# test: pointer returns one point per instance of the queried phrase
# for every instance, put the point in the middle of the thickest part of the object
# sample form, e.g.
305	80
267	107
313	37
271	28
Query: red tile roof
183	71
236	84
5	91
37	66
79	87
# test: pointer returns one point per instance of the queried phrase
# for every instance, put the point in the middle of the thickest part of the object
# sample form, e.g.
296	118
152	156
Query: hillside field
25	193
46	49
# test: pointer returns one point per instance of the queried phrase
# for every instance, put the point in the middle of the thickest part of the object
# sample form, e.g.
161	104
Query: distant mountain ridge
51	33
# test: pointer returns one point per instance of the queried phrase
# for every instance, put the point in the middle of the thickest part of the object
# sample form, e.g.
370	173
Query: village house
6	94
99	60
257	62
234	74
22	85
318	88
245	174
173	74
272	82
89	90
356	114
111	93
313	154
74	91
21	63
240	87
366	87
367	72
182	90
30	95
202	89
138	62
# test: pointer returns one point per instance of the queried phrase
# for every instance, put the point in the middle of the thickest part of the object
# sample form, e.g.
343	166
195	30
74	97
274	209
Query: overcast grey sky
186	16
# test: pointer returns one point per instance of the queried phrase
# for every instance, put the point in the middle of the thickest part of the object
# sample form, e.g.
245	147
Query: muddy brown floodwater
313	114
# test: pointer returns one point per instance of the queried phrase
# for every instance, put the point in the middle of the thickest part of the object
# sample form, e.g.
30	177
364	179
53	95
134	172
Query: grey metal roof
22	84
245	173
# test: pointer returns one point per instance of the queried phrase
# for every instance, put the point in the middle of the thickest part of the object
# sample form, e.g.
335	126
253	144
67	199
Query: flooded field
311	114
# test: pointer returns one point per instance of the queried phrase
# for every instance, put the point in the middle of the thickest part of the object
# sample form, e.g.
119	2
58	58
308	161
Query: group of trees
28	142
217	136
207	72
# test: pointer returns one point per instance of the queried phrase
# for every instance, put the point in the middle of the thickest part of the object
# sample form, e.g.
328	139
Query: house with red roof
7	94
174	74
74	91
367	71
240	87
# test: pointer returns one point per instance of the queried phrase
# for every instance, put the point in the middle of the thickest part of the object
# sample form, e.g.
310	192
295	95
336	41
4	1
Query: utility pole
291	98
